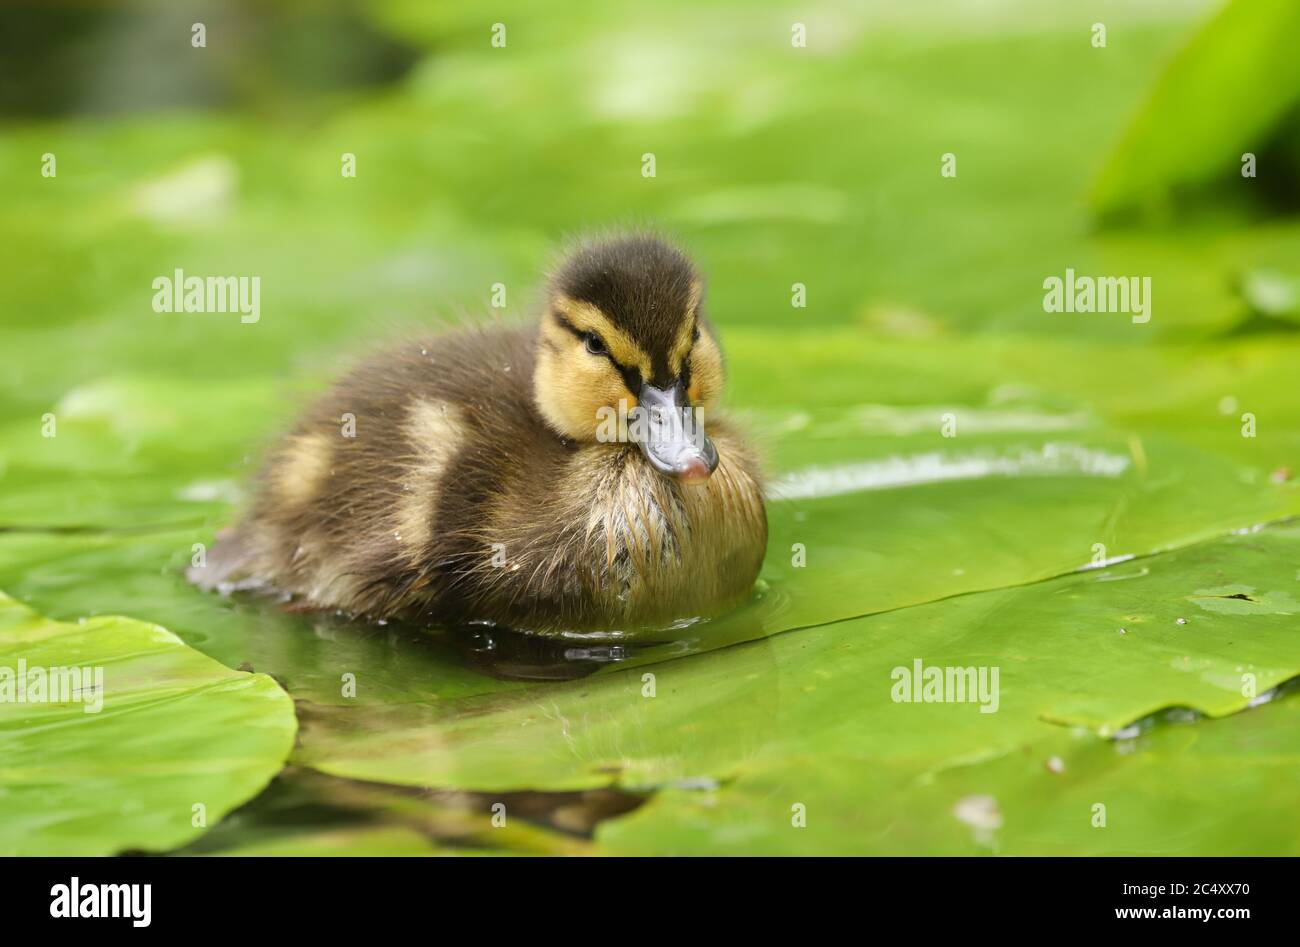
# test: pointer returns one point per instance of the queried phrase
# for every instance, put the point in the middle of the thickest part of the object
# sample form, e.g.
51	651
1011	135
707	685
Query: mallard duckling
505	474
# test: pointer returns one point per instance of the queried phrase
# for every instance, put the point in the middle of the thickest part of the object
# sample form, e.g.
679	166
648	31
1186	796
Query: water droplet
981	813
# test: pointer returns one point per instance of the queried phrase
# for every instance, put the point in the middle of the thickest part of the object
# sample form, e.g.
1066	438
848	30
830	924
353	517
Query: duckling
548	478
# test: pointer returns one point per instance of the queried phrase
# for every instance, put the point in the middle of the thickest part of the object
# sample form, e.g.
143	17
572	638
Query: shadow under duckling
548	478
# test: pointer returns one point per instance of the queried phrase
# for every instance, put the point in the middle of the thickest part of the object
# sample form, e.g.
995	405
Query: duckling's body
454	479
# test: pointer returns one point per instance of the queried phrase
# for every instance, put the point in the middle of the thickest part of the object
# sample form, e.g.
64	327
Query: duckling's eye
695	336
594	344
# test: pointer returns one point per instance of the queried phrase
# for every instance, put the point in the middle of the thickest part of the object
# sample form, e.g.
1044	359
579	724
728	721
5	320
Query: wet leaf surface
1173	786
1097	649
173	730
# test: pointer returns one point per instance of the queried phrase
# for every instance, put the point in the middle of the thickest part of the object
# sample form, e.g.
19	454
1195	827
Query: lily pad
150	745
1097	649
324	658
130	452
1174	786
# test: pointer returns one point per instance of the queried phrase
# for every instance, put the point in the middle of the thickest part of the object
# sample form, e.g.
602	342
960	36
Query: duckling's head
624	329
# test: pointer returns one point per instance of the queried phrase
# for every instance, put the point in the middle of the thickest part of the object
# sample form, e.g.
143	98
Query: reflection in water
302	809
511	655
507	654
683	724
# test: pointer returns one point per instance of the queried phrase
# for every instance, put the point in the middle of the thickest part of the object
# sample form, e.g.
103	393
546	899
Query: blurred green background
775	164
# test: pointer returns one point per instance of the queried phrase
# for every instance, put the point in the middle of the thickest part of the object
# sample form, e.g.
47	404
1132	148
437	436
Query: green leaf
68	575
1171	786
122	763
1222	95
1097	649
132	451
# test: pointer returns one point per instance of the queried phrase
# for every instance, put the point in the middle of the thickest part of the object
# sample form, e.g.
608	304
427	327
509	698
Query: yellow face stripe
588	318
706	371
686	334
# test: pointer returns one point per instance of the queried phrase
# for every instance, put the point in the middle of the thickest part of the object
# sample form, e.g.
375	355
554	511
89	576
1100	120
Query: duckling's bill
671	434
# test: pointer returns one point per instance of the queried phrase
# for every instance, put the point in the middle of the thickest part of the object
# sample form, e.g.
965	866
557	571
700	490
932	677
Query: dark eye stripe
631	376
690	353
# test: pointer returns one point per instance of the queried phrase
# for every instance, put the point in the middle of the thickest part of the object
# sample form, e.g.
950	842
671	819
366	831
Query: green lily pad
324	658
1097	649
131	452
1175	786
157	743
